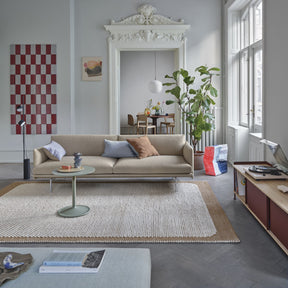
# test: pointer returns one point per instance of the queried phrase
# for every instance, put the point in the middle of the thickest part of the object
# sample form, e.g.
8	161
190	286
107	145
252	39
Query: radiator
237	140
208	139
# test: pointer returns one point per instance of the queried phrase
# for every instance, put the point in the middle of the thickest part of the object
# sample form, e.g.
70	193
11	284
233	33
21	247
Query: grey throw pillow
54	151
118	149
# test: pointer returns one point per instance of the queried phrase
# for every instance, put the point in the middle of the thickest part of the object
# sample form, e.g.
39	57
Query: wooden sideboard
265	202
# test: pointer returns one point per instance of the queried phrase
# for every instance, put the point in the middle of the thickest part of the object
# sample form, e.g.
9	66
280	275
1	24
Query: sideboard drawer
258	202
279	223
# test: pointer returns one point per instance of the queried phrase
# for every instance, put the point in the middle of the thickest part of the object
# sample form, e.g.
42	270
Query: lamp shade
155	86
21	123
20	108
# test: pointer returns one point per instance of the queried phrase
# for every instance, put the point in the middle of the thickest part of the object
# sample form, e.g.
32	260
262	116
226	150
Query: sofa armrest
188	154
39	156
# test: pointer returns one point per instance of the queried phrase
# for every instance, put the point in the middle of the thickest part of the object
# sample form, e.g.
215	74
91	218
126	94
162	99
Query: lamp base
26	168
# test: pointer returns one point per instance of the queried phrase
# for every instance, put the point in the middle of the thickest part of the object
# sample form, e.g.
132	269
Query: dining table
155	118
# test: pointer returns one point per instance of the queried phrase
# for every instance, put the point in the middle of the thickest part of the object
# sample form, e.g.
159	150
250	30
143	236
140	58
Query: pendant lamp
155	86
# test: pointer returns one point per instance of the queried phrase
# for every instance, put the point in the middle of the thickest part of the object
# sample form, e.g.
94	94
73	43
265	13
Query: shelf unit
264	201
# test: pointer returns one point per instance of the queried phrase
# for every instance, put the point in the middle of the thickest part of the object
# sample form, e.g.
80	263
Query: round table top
86	170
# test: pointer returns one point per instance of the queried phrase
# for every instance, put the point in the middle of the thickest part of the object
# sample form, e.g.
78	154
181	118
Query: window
244	88
246	67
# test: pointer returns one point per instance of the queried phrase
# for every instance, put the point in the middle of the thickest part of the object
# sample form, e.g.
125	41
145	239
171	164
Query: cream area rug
119	212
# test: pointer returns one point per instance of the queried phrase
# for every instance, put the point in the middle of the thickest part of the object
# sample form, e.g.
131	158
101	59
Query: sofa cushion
118	149
54	151
164	164
102	165
143	147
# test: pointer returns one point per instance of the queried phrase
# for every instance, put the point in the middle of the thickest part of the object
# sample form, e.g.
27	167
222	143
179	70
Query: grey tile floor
256	261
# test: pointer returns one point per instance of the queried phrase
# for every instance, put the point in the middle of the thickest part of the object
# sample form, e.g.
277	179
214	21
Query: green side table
74	210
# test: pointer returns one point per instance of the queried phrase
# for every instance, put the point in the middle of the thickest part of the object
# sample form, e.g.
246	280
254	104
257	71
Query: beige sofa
175	159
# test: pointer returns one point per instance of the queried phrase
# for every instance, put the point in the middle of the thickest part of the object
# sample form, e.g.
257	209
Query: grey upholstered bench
121	267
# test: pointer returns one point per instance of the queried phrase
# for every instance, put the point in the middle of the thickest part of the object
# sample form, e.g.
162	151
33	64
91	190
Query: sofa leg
50	184
175	184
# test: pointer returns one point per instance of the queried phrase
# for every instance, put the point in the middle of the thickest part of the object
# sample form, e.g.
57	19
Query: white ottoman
121	267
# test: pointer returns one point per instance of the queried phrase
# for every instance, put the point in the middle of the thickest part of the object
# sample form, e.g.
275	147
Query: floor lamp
26	161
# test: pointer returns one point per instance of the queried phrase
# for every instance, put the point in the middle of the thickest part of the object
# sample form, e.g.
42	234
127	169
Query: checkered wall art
33	83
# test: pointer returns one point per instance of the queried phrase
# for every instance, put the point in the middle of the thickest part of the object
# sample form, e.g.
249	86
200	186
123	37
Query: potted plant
195	103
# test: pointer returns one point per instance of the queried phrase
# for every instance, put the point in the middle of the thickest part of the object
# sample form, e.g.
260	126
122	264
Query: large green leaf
184	73
169	102
214	69
176	75
167	76
192	91
176	91
168	84
213	92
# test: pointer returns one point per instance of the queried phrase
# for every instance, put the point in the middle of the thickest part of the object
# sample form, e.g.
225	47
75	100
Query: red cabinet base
258	203
279	223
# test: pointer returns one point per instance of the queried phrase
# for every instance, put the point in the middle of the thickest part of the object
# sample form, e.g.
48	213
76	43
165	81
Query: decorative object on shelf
13	265
155	86
33	83
26	161
8	264
77	160
91	68
195	104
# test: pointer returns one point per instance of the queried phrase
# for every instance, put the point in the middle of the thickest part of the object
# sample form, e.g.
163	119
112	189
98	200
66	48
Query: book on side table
62	261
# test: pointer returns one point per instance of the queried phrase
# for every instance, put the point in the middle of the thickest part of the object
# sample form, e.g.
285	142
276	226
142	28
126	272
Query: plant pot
198	160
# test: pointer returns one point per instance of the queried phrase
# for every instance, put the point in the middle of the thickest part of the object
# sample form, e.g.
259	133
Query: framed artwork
33	83
91	68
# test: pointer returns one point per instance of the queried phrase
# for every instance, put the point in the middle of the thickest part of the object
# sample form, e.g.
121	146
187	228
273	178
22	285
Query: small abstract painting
91	68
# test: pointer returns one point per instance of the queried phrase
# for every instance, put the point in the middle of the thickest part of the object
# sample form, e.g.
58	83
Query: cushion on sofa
143	147
158	165
54	151
165	144
102	165
118	149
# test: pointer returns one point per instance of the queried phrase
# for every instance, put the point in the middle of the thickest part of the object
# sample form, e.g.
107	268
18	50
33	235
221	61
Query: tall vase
77	160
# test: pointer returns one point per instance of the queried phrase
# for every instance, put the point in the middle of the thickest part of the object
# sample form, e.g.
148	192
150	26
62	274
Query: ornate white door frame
145	31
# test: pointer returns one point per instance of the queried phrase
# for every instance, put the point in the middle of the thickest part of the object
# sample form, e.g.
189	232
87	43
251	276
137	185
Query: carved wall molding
147	16
147	26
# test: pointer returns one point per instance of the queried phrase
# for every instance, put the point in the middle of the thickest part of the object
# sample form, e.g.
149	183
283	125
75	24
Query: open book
63	261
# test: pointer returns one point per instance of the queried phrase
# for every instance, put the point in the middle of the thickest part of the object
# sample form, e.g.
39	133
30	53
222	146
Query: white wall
42	21
276	73
33	22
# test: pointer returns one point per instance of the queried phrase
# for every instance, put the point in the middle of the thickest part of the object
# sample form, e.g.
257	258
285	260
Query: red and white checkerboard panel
33	83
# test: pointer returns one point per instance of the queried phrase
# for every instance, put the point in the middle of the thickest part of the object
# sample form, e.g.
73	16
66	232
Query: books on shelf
63	261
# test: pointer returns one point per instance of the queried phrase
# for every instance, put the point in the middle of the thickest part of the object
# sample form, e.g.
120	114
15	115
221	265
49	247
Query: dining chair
170	124
131	123
143	123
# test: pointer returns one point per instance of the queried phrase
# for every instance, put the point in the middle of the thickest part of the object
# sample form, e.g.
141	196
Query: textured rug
119	212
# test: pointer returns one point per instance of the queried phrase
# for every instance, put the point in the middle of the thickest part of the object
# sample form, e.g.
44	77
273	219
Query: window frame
247	44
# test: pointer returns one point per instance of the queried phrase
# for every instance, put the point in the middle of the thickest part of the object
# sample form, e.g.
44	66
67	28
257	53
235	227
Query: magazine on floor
63	261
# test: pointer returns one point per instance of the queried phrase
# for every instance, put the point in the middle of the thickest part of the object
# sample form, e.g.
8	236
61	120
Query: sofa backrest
93	145
88	145
165	144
